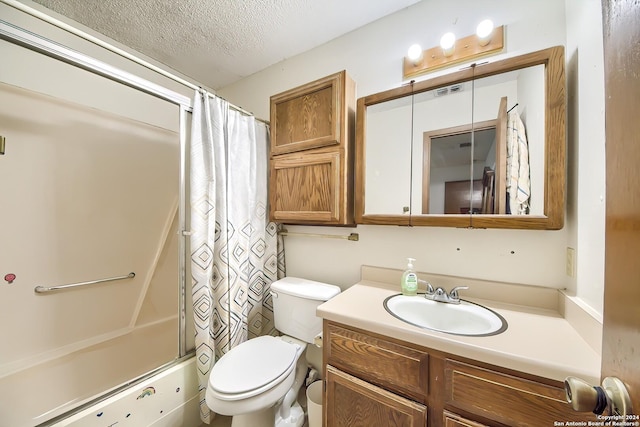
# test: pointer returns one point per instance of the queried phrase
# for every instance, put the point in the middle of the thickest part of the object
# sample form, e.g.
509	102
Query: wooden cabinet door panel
308	116
507	399
393	366
306	187
351	402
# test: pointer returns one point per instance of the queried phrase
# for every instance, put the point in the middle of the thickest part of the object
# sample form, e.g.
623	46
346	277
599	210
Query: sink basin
466	318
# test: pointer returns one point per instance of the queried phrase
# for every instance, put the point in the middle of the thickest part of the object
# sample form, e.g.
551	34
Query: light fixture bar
465	49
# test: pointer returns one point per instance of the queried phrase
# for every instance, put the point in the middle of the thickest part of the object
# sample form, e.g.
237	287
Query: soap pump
409	282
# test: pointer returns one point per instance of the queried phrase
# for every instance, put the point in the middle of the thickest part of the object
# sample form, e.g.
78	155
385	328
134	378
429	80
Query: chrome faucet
441	295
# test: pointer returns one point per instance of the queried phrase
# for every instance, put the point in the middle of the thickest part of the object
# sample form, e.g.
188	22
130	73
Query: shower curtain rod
241	110
88	37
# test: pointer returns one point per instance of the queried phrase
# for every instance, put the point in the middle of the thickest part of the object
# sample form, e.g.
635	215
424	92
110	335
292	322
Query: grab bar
43	289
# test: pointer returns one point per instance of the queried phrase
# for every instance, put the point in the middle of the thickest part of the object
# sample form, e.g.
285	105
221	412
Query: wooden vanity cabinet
377	380
312	143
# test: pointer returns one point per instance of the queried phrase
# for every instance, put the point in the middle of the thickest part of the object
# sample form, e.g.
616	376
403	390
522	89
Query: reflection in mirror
447	107
388	172
447	167
478	184
521	140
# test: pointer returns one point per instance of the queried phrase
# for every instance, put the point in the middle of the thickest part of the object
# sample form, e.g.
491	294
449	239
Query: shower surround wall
90	186
89	196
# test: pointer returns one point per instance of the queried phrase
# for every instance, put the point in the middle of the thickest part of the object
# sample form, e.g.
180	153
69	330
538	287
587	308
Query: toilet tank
294	306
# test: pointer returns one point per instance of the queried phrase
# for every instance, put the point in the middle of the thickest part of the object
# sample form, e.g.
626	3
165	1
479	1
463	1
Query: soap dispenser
409	282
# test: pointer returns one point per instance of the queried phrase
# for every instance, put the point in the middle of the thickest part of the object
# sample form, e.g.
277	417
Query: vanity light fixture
486	41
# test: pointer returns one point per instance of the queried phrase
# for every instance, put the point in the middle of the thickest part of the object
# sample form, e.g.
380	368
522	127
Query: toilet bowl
252	379
257	382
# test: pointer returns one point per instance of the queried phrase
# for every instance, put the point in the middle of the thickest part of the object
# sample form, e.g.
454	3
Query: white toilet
257	382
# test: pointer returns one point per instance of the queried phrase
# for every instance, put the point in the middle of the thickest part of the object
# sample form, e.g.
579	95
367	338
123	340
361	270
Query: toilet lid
253	364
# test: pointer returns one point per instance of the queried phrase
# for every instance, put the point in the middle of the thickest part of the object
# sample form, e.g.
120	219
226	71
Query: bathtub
167	399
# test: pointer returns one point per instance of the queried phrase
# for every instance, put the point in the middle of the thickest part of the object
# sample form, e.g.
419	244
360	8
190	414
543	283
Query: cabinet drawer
390	365
507	399
351	402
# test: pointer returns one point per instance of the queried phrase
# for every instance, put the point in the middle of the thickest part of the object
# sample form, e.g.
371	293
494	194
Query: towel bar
354	237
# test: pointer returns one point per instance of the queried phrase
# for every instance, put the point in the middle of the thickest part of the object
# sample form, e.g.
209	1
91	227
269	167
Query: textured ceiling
217	42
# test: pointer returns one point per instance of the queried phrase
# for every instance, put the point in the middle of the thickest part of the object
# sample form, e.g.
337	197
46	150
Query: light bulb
484	32
448	43
415	54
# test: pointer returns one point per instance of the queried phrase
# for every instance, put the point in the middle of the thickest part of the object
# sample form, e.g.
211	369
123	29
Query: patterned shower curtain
235	251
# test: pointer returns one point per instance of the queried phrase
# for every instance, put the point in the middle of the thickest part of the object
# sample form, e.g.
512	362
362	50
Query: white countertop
537	341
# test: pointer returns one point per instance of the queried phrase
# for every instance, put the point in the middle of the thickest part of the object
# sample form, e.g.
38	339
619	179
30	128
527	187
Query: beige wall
373	56
586	151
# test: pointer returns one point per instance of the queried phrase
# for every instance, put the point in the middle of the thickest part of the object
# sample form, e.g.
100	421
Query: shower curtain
235	255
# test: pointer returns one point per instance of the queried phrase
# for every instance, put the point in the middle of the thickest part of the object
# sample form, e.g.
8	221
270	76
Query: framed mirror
481	147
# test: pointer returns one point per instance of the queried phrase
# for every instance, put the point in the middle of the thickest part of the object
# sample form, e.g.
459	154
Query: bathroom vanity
382	371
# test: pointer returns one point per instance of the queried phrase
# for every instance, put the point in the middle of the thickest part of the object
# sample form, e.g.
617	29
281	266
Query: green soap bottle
409	280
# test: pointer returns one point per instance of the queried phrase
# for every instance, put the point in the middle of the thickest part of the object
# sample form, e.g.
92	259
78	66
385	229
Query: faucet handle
454	292
430	290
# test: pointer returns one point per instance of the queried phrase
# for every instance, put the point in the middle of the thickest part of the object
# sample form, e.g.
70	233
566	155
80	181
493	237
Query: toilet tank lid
304	288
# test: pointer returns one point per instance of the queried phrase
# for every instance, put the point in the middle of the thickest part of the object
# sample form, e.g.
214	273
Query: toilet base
295	418
263	418
269	418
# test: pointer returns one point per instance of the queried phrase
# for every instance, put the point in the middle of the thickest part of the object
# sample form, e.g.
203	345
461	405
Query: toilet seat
253	367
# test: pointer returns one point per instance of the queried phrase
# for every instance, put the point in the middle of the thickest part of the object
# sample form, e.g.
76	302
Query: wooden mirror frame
554	153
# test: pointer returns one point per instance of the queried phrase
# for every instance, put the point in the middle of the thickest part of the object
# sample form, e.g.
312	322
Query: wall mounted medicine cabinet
312	142
483	147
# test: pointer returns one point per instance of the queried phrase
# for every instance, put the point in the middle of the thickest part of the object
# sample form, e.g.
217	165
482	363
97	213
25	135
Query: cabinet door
306	187
309	116
351	402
